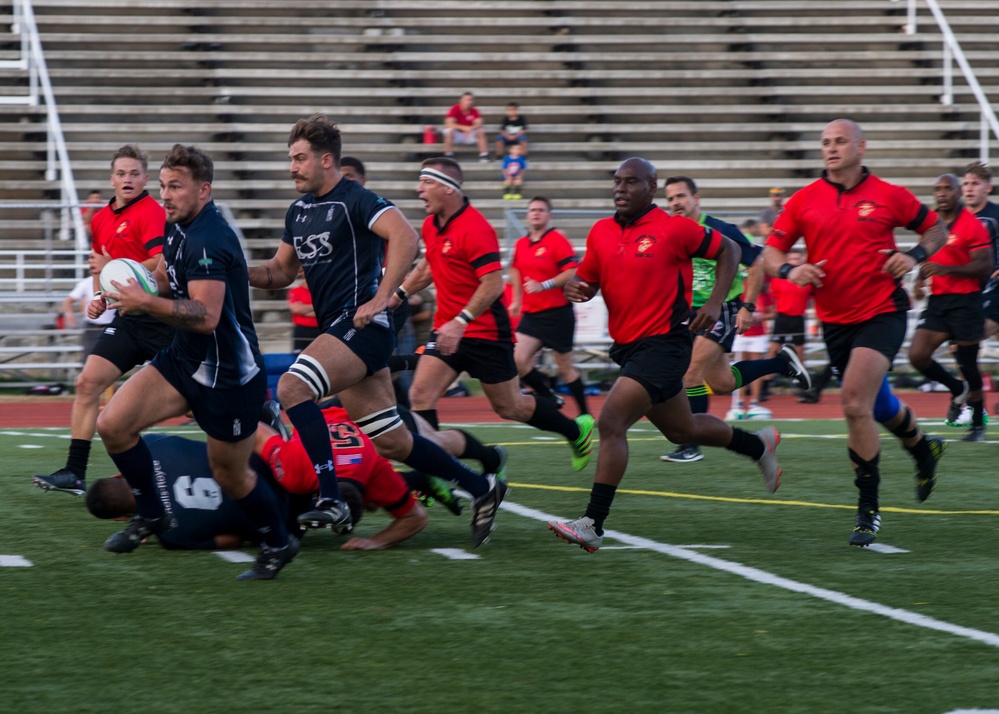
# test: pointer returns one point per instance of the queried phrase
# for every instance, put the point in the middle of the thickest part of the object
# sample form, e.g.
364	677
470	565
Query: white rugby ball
123	270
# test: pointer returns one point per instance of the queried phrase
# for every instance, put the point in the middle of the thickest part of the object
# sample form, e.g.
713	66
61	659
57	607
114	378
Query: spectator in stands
304	325
640	260
709	370
768	215
513	130
514	168
471	326
954	311
130	226
463	125
543	262
843	217
353	169
74	310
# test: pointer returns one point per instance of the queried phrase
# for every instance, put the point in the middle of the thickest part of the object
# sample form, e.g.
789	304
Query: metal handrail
952	52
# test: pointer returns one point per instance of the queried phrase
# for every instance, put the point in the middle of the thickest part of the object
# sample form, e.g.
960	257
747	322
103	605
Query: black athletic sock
547	417
416	481
136	466
476	450
309	422
264	511
601	498
746	444
79	454
977	412
868	477
539	383
749	370
402	363
428	457
578	391
938	373
430	416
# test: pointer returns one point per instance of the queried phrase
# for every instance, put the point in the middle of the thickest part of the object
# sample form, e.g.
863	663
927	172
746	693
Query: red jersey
133	231
965	234
790	298
463	118
542	260
355	459
301	295
643	268
848	229
460	252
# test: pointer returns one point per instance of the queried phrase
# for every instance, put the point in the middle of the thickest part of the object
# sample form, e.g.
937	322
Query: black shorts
788	330
488	361
959	316
555	328
132	340
724	330
224	414
373	345
882	333
658	363
990	305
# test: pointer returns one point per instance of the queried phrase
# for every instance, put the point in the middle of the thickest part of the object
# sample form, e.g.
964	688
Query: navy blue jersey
207	249
989	217
184	483
750	252
341	255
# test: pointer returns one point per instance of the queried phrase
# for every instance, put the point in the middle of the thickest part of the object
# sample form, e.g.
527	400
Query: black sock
430	416
261	505
547	417
311	426
977	412
746	444
416	481
938	373
428	457
601	498
539	383
475	449
868	477
578	392
402	363
79	454
136	465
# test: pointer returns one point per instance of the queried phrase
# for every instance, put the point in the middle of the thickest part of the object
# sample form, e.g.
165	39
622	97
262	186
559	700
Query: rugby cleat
582	447
62	480
127	540
334	515
926	474
956	404
580	531
271	560
865	526
767	463
484	509
795	368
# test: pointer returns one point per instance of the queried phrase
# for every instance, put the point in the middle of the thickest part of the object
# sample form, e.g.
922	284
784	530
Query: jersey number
200	493
345	436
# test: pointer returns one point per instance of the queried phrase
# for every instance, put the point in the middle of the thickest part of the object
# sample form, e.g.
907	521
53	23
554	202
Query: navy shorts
724	330
959	316
224	414
555	327
882	333
373	345
788	330
133	340
658	363
488	361
990	305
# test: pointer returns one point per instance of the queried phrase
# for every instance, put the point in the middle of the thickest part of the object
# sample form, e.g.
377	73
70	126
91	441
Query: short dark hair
354	163
513	104
131	151
542	199
193	159
691	186
979	169
446	162
109	498
322	134
351	495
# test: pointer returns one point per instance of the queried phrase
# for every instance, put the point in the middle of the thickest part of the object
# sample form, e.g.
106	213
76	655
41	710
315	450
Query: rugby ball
123	270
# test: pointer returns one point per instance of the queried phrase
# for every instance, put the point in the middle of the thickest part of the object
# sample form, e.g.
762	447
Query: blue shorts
373	345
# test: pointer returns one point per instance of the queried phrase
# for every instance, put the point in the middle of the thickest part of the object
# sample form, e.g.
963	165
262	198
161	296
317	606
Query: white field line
762	576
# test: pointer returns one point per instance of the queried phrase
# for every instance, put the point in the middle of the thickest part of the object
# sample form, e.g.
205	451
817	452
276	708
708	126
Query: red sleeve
589	267
565	256
453	112
482	251
912	214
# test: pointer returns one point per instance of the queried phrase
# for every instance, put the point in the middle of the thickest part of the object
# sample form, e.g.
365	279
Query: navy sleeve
750	252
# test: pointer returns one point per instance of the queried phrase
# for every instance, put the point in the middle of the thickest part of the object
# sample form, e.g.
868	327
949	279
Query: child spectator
513	130
514	168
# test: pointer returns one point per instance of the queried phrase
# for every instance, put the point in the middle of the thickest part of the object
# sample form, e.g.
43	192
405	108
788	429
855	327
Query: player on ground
847	219
640	259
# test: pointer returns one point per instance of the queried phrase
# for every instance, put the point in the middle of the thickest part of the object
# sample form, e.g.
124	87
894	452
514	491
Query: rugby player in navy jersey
212	368
341	234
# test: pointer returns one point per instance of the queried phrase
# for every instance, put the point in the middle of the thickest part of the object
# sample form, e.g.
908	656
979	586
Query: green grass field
709	596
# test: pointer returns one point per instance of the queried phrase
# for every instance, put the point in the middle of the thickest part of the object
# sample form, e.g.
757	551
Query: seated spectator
514	168
513	130
463	125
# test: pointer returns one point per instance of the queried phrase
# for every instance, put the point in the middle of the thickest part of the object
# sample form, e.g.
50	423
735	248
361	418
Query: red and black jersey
848	229
459	253
643	268
965	234
542	260
790	298
133	231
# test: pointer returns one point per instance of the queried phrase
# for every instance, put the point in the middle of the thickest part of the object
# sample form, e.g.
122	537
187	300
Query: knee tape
886	405
380	422
311	372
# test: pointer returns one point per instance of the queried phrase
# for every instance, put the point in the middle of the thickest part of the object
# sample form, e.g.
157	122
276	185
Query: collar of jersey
864	175
130	203
440	229
636	219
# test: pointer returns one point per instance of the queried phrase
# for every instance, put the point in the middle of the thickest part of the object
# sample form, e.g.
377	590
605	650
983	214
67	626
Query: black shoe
62	480
957	404
684	454
976	433
484	510
926	474
271	560
809	397
270	414
795	368
334	515
127	540
865	527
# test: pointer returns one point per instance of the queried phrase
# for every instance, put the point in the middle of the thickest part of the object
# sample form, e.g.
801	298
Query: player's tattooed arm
934	239
190	315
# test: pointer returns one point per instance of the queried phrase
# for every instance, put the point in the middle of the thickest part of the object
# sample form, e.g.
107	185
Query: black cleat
795	369
334	515
976	433
270	414
62	480
127	540
956	405
484	510
926	474
865	527
809	396
271	560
